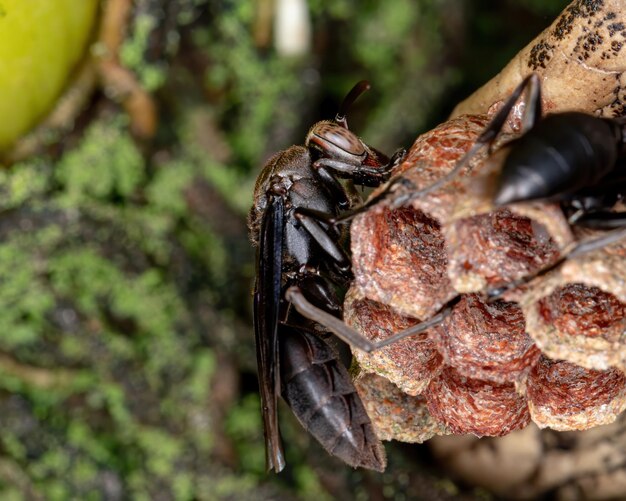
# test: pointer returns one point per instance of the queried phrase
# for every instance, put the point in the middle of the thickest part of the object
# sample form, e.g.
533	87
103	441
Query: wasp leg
362	175
385	194
531	114
592	205
602	220
320	292
365	175
397	158
578	249
337	190
592	244
324	240
388	193
315	214
347	334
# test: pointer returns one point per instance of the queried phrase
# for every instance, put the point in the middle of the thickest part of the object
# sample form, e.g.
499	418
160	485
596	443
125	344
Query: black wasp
300	264
571	157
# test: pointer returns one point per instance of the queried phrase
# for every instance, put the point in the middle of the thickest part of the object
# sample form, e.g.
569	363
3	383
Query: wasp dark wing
266	310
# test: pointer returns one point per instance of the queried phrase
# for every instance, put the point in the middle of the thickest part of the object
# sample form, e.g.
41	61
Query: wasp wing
266	311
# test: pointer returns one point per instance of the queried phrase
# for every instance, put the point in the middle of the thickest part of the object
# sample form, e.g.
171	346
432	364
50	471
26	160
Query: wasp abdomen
560	155
321	395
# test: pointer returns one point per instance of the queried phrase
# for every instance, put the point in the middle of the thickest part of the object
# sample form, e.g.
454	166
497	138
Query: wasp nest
552	351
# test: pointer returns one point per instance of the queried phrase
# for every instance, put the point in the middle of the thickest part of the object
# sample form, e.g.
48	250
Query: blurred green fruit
40	43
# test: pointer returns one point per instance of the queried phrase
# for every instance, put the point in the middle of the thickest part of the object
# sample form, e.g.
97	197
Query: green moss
25	182
244	426
11	493
24	299
166	189
342	9
53	463
385	30
160	449
183	487
308	484
105	165
233	487
80	436
57	490
134	49
13	446
257	85
204	369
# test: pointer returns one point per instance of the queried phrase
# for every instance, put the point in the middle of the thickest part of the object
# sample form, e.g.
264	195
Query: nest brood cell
576	308
467	405
411	363
487	340
578	312
397	415
565	396
495	248
398	244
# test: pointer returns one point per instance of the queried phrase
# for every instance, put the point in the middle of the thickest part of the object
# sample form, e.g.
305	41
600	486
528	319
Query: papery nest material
394	414
564	396
578	312
411	363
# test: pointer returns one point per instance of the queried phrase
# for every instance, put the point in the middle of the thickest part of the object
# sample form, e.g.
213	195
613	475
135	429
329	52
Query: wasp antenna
352	96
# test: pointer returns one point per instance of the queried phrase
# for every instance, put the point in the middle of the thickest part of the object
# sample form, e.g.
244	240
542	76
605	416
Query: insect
300	264
571	157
